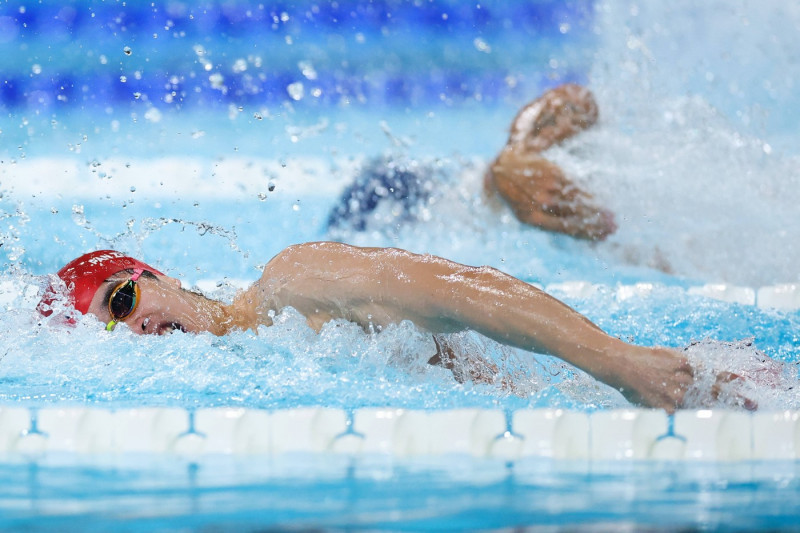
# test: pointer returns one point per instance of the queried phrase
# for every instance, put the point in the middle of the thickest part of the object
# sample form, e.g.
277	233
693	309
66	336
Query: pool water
308	493
207	138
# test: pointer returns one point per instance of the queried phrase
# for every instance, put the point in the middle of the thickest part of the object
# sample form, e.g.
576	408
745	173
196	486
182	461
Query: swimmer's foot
555	116
540	195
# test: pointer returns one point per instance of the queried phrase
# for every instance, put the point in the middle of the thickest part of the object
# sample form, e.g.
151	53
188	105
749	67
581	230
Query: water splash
696	189
757	380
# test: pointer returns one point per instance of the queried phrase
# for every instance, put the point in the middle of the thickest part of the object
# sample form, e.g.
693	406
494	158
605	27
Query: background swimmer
538	192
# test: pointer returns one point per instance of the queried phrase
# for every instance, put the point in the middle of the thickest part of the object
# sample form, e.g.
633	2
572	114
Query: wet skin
164	306
375	287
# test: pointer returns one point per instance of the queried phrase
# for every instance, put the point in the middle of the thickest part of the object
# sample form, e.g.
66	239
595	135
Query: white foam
749	377
685	150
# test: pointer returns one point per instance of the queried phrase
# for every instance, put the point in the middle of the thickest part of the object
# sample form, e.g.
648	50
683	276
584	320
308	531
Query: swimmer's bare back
537	190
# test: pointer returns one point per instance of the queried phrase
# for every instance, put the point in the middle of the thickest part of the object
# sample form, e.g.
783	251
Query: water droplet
123	79
127	50
481	45
262	196
36	69
307	69
133	189
296	91
271	187
239	66
217	81
153	115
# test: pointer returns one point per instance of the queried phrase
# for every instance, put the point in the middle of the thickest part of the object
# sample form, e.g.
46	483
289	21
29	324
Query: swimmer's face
162	306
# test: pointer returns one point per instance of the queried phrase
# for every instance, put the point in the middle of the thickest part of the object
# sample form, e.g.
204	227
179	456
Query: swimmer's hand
661	377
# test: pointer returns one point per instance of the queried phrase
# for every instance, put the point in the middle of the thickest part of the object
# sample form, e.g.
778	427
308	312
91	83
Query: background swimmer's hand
540	195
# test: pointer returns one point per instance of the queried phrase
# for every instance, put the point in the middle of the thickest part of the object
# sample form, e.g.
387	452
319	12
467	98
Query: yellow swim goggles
124	299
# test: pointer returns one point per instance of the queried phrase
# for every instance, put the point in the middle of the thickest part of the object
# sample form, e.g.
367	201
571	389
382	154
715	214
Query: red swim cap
84	275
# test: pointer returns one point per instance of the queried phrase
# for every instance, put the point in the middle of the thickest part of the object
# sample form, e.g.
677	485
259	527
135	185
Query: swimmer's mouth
170	327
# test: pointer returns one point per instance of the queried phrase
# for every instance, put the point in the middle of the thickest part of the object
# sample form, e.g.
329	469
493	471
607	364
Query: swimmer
537	190
375	287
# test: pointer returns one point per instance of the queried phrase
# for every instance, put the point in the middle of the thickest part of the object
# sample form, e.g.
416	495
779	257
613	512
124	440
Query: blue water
309	493
207	137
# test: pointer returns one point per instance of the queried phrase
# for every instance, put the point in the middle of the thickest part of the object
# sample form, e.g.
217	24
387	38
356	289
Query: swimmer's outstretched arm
378	286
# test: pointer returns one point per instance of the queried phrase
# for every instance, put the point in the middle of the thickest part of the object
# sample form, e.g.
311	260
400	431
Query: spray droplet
307	68
127	50
217	81
239	66
296	90
481	45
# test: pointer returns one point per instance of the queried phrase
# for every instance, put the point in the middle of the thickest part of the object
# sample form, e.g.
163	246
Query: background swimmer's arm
378	286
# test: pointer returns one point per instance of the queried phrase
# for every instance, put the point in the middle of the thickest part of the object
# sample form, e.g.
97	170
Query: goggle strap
136	273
